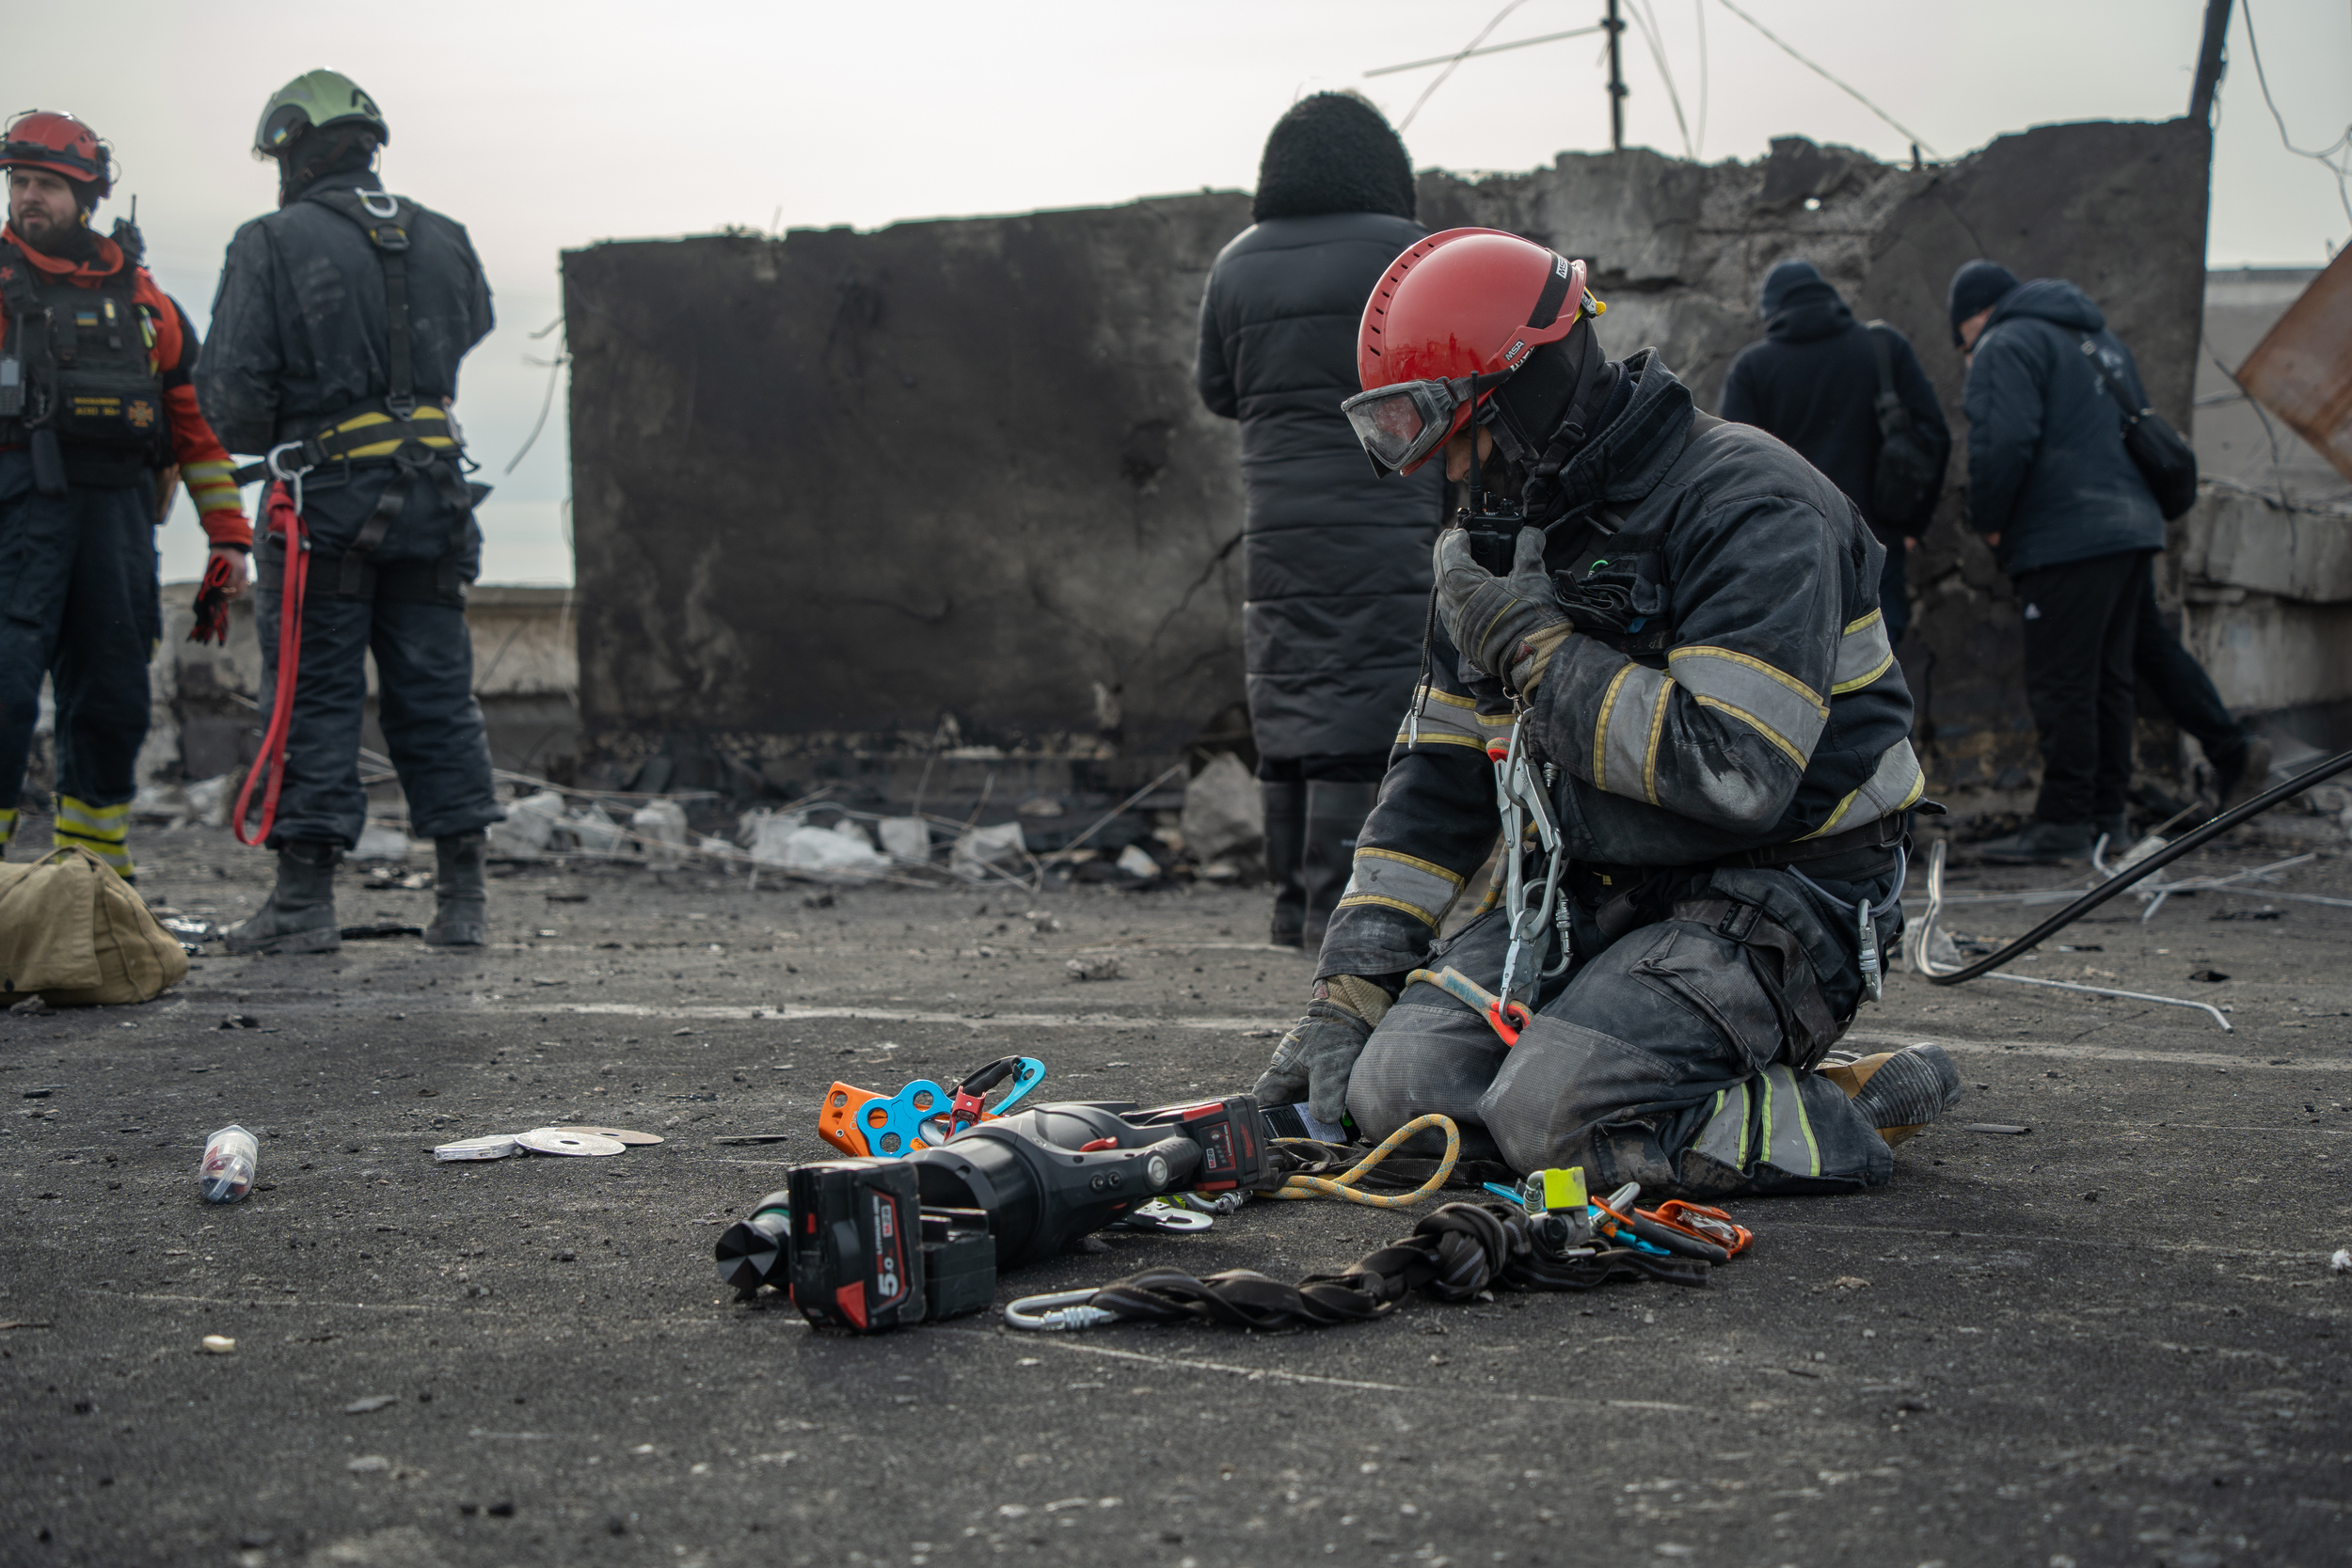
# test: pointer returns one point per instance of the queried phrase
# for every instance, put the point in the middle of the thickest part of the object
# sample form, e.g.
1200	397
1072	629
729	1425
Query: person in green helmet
335	338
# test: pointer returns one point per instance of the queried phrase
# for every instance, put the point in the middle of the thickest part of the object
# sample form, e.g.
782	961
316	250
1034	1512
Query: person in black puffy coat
1335	562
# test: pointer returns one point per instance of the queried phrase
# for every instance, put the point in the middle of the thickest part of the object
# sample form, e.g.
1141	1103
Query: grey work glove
1316	1056
1491	618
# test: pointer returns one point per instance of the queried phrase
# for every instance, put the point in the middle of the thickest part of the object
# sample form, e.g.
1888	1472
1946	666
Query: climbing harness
1523	797
1345	1186
269	762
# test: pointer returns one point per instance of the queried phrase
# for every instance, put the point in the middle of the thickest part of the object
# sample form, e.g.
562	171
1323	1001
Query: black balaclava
1332	152
317	154
1543	415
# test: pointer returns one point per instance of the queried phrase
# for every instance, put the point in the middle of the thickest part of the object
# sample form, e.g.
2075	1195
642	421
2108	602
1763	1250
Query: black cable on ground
2162	858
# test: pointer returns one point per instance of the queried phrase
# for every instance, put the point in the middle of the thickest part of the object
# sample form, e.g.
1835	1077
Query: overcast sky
545	127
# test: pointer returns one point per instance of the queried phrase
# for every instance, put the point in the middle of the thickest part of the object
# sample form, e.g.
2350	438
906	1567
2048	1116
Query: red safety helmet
42	138
1449	322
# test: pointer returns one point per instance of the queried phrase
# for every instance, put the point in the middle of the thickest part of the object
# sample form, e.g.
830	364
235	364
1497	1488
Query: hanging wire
1490	49
1824	74
1647	22
2336	157
1467	50
555	370
1699	9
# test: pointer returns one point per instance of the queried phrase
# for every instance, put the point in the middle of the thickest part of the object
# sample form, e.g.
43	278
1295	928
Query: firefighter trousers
1665	1057
78	604
406	606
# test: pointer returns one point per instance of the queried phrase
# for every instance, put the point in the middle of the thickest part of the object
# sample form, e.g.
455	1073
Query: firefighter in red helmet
1658	669
95	403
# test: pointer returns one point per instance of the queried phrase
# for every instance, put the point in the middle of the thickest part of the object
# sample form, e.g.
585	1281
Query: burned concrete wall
946	487
1679	251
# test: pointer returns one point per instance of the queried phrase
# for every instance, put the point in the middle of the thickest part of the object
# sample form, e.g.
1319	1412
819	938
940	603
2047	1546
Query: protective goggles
1401	425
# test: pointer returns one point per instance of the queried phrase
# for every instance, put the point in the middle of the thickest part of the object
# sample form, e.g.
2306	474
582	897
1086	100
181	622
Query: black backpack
2167	462
1908	478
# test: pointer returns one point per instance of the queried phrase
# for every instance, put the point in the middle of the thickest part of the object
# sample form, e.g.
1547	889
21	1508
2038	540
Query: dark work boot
1899	1091
2043	844
1335	815
461	899
1285	845
300	914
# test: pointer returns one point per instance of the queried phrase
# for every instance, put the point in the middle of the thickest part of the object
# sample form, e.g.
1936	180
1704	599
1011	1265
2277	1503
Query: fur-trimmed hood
1333	152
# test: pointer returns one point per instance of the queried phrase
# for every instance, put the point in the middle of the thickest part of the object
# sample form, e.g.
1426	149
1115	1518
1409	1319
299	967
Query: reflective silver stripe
1725	1138
1626	734
1419	888
1786	1143
1776	705
1863	655
1896	784
109	823
1442	719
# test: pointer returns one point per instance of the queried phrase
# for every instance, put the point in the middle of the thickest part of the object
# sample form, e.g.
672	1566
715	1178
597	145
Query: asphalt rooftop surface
2113	1339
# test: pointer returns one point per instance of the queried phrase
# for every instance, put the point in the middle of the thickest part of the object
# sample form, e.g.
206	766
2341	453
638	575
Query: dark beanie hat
1781	284
1333	152
1975	287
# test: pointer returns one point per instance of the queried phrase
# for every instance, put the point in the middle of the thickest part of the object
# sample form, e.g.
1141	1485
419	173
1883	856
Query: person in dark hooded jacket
2071	520
1814	383
1335	563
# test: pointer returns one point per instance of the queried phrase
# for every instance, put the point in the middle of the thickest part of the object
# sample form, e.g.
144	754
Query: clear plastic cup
229	1158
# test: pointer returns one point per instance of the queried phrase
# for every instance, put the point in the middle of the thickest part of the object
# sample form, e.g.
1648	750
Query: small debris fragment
1094	966
2211	976
2340	1263
368	1464
43	1093
239	1020
371	1403
1849	1282
1996	1127
219	1344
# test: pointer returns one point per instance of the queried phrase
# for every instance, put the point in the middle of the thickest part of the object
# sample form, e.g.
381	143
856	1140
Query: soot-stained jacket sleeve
1721	734
237	378
1434	826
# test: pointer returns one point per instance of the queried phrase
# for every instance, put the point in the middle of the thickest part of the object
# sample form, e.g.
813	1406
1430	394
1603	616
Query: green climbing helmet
315	98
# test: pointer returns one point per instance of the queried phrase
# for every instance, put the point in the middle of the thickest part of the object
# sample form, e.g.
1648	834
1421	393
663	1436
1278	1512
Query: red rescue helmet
1449	322
44	139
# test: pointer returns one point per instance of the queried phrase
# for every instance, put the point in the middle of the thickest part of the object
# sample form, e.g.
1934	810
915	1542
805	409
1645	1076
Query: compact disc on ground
623	1133
498	1146
566	1140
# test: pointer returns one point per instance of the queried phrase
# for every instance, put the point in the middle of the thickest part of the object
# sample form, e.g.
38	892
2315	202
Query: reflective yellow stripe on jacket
1419	888
1441	719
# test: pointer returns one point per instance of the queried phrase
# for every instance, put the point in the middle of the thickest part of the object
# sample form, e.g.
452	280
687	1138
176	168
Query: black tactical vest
75	385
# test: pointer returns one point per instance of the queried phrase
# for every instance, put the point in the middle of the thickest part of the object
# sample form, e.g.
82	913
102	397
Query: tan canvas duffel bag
75	934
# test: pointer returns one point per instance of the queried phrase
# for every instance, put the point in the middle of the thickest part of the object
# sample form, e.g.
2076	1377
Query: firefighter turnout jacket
1749	699
96	358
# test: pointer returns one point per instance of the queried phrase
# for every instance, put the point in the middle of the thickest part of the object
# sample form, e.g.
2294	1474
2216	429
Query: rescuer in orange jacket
95	403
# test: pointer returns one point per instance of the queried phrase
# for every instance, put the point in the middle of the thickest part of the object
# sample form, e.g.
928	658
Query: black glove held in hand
1489	617
1320	1050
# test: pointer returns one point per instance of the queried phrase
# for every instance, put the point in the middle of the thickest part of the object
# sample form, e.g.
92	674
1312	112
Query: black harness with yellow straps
423	442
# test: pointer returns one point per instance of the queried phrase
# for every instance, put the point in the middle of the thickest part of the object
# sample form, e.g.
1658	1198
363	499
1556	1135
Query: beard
48	235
